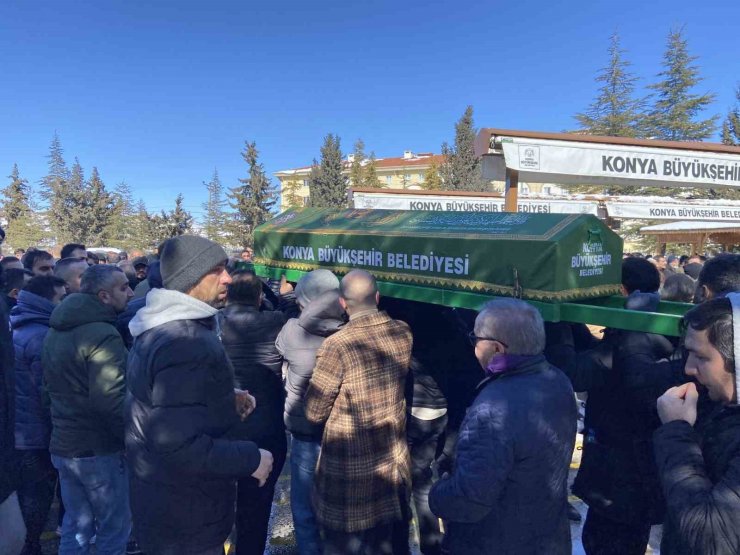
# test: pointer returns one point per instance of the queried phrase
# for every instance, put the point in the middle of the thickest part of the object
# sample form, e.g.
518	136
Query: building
405	172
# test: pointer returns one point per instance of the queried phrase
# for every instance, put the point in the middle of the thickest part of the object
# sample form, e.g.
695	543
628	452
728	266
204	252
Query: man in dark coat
181	403
508	493
321	316
30	323
699	459
248	335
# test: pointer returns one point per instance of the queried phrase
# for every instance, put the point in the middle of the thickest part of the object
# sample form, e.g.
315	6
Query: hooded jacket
30	322
298	342
179	407
8	467
84	362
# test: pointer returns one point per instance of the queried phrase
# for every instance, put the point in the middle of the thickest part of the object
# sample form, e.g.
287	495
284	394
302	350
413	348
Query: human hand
679	403
264	469
245	403
285	286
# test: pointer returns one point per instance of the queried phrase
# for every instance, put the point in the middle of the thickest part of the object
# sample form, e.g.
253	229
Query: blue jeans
303	458
95	494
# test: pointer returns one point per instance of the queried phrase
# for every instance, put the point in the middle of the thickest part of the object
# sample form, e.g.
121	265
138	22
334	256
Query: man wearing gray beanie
181	403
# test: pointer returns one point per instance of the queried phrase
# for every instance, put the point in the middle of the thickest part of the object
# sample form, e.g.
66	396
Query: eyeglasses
474	339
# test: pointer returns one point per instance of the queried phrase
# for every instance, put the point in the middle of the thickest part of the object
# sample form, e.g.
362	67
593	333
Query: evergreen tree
290	194
314	183
121	230
674	114
175	222
370	177
145	232
252	200
461	170
23	228
54	191
432	179
98	206
328	186
615	112
731	125
215	218
356	169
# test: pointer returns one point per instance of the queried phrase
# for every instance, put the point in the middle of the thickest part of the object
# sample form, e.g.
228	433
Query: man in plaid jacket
363	474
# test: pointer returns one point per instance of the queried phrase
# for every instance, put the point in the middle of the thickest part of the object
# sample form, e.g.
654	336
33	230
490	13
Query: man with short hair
71	270
41	263
363	478
248	335
74	250
84	362
181	403
509	489
698	458
141	266
718	277
9	262
12	283
30	323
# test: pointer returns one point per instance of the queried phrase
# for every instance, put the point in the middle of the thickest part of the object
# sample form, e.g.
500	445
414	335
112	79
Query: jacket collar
372	319
536	364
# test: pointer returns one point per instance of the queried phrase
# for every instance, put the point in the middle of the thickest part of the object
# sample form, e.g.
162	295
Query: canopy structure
696	234
568	266
572	159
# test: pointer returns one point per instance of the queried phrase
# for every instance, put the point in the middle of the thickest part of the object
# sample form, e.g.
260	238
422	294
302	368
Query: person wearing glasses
508	492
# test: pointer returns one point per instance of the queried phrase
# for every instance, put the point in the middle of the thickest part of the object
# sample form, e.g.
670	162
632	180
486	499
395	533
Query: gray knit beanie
184	260
313	284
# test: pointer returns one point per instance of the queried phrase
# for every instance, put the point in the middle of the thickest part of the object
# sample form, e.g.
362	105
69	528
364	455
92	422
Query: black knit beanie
184	260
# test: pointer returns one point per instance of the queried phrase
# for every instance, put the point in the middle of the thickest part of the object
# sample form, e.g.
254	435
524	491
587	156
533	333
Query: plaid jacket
357	388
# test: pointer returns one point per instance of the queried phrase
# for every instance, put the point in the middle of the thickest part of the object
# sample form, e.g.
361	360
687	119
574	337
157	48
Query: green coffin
550	257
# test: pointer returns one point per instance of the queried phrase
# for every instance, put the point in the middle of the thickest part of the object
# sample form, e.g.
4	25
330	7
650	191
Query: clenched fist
679	403
265	467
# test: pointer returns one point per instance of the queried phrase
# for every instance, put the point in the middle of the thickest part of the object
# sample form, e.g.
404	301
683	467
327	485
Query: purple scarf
501	364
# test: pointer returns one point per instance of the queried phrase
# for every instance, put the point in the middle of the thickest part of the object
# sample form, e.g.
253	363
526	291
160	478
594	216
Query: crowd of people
161	397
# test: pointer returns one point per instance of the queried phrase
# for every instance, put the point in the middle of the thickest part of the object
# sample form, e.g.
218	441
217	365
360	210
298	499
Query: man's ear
343	304
377	298
706	293
623	289
103	296
13	293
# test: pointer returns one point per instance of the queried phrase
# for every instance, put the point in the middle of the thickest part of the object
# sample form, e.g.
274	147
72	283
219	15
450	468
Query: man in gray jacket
317	294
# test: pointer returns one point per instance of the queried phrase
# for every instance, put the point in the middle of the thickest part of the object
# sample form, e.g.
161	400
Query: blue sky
160	93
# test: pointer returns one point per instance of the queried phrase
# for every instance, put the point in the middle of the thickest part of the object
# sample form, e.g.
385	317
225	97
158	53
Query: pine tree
370	178
54	191
99	205
252	200
432	179
674	114
731	125
215	218
461	170
175	222
122	226
356	169
23	228
328	186
314	183
615	112
145	232
291	198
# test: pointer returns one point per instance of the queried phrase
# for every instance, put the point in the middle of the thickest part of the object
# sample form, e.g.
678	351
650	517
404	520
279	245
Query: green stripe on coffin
551	257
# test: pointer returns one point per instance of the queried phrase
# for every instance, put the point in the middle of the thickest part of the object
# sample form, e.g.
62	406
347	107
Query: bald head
359	291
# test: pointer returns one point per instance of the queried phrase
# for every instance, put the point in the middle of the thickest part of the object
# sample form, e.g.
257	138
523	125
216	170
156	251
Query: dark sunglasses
474	339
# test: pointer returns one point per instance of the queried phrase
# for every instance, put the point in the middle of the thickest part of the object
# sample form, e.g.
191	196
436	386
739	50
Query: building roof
414	161
691	227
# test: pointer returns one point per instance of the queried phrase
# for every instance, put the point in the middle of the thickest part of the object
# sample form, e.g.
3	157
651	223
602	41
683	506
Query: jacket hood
324	315
79	309
31	309
645	302
167	305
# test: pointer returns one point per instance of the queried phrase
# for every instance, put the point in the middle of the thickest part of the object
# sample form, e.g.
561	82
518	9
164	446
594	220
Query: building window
306	200
547	190
524	188
388	179
421	177
305	182
407	177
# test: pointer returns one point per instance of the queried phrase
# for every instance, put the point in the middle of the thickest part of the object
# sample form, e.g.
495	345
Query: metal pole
512	190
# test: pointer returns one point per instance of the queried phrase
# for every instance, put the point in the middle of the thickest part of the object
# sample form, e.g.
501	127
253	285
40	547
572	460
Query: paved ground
282	538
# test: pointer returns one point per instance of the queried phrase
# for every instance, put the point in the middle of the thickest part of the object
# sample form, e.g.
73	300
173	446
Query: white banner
571	162
684	212
441	203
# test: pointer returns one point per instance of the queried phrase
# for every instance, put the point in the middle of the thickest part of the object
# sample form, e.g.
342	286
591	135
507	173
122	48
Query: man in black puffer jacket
699	458
180	405
248	335
317	294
